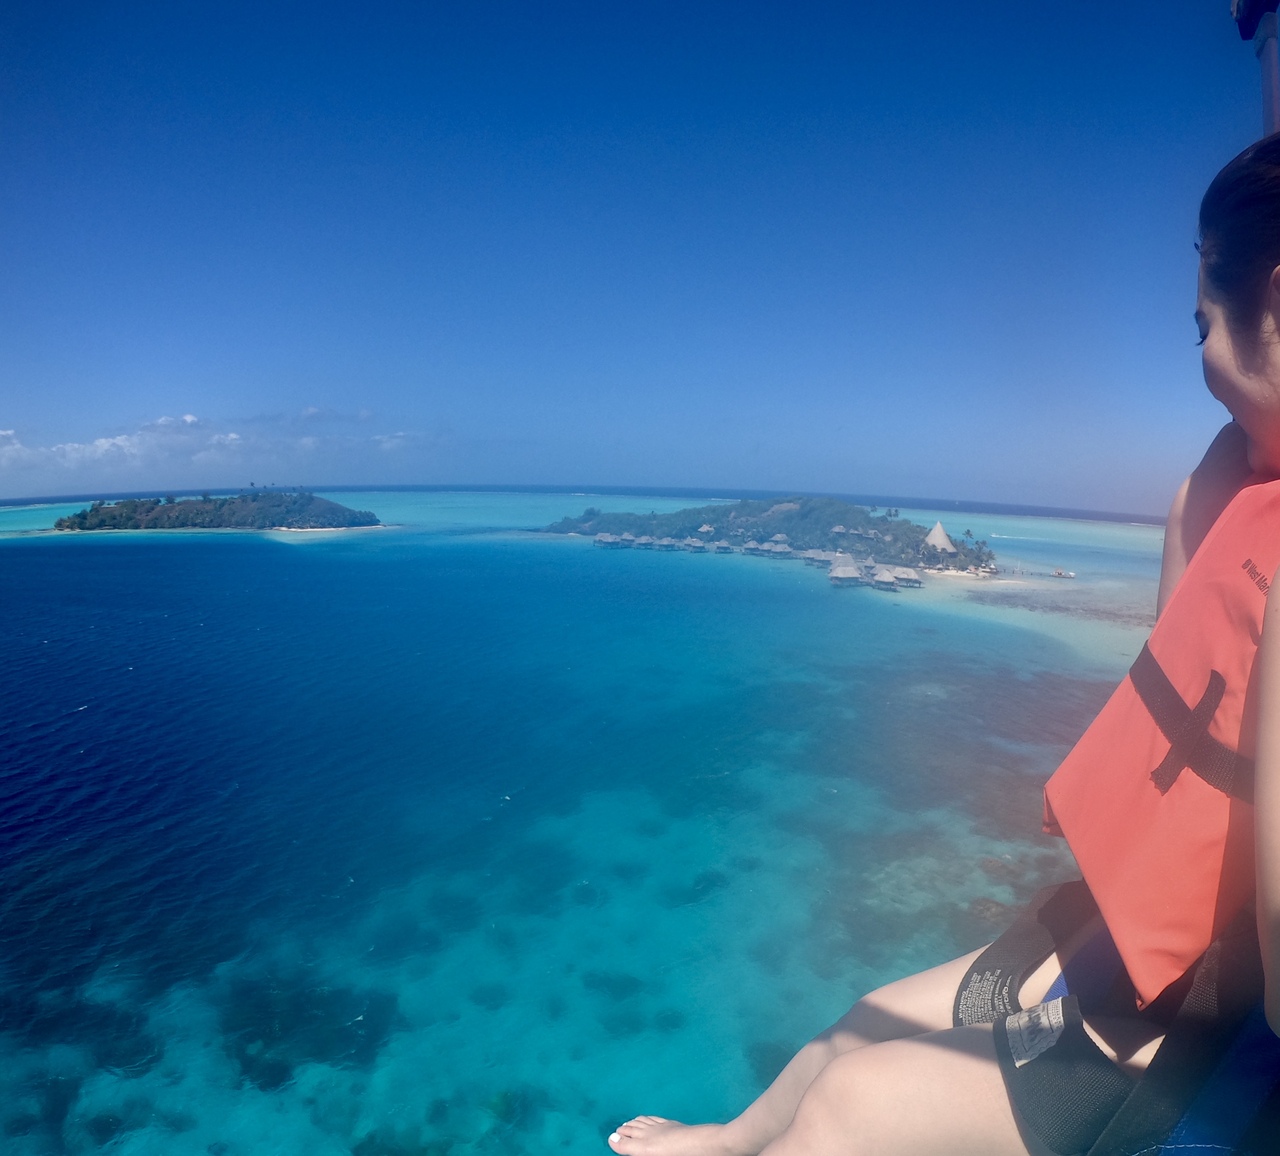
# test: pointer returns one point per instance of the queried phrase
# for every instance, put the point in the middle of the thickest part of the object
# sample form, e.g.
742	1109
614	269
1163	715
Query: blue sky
829	247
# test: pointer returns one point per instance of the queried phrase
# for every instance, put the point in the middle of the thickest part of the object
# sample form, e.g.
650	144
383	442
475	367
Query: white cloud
312	446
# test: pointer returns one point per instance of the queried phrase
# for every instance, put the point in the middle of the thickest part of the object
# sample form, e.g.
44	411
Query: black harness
1072	1095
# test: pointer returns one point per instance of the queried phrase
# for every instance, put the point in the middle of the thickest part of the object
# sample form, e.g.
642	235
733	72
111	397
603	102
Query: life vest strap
1187	730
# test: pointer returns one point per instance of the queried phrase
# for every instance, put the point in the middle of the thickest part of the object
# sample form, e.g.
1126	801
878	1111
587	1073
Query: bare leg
908	1007
939	1094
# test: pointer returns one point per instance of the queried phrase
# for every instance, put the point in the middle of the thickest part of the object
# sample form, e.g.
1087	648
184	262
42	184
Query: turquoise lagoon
453	838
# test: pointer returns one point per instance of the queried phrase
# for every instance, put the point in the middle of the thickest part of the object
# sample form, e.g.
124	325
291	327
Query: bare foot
656	1136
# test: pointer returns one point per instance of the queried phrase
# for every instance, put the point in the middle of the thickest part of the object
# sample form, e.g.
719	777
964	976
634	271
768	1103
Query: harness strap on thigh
990	990
1070	1091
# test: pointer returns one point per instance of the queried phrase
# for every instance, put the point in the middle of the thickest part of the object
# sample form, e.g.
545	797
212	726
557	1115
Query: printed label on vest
1034	1031
1256	576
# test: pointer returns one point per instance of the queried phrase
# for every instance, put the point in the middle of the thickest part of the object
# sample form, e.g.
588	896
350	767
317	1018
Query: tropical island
255	510
844	536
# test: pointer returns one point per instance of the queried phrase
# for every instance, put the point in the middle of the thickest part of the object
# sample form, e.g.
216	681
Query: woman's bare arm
1221	474
1267	809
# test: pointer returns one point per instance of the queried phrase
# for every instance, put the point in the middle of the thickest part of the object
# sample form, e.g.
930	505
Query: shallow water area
451	838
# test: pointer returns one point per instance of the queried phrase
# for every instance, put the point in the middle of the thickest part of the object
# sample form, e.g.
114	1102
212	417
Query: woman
936	1063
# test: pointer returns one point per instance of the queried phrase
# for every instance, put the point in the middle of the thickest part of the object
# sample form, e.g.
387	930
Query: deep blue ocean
447	838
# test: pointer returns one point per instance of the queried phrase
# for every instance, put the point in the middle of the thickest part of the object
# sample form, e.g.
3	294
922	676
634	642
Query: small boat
1061	573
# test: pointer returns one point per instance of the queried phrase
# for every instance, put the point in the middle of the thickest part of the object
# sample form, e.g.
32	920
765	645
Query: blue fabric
1057	989
1221	1113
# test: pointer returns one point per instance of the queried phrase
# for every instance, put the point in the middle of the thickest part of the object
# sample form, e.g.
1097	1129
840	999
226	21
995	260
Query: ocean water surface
452	838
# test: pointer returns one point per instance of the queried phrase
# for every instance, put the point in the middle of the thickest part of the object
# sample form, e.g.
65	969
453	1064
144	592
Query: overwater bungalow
695	545
778	550
751	547
906	576
608	541
846	575
667	544
644	542
628	539
722	547
883	578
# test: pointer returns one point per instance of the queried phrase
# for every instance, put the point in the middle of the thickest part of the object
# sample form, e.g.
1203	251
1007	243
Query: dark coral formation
272	1024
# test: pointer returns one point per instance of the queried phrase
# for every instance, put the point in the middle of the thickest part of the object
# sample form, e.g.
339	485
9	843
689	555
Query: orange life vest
1156	799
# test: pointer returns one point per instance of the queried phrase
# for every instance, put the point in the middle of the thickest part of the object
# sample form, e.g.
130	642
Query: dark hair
1240	231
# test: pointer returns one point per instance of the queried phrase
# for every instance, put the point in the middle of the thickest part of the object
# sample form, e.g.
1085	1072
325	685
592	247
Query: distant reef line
942	505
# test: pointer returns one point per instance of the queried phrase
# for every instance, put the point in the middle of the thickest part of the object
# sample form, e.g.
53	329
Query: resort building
846	573
937	538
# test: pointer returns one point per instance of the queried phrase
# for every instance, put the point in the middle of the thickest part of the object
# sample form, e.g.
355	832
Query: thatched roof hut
883	578
937	538
846	574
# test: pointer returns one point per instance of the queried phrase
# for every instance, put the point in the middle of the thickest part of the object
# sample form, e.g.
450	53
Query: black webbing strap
1070	1089
1187	729
990	990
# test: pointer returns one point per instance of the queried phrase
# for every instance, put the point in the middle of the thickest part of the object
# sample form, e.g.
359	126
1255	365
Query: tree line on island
255	510
803	523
